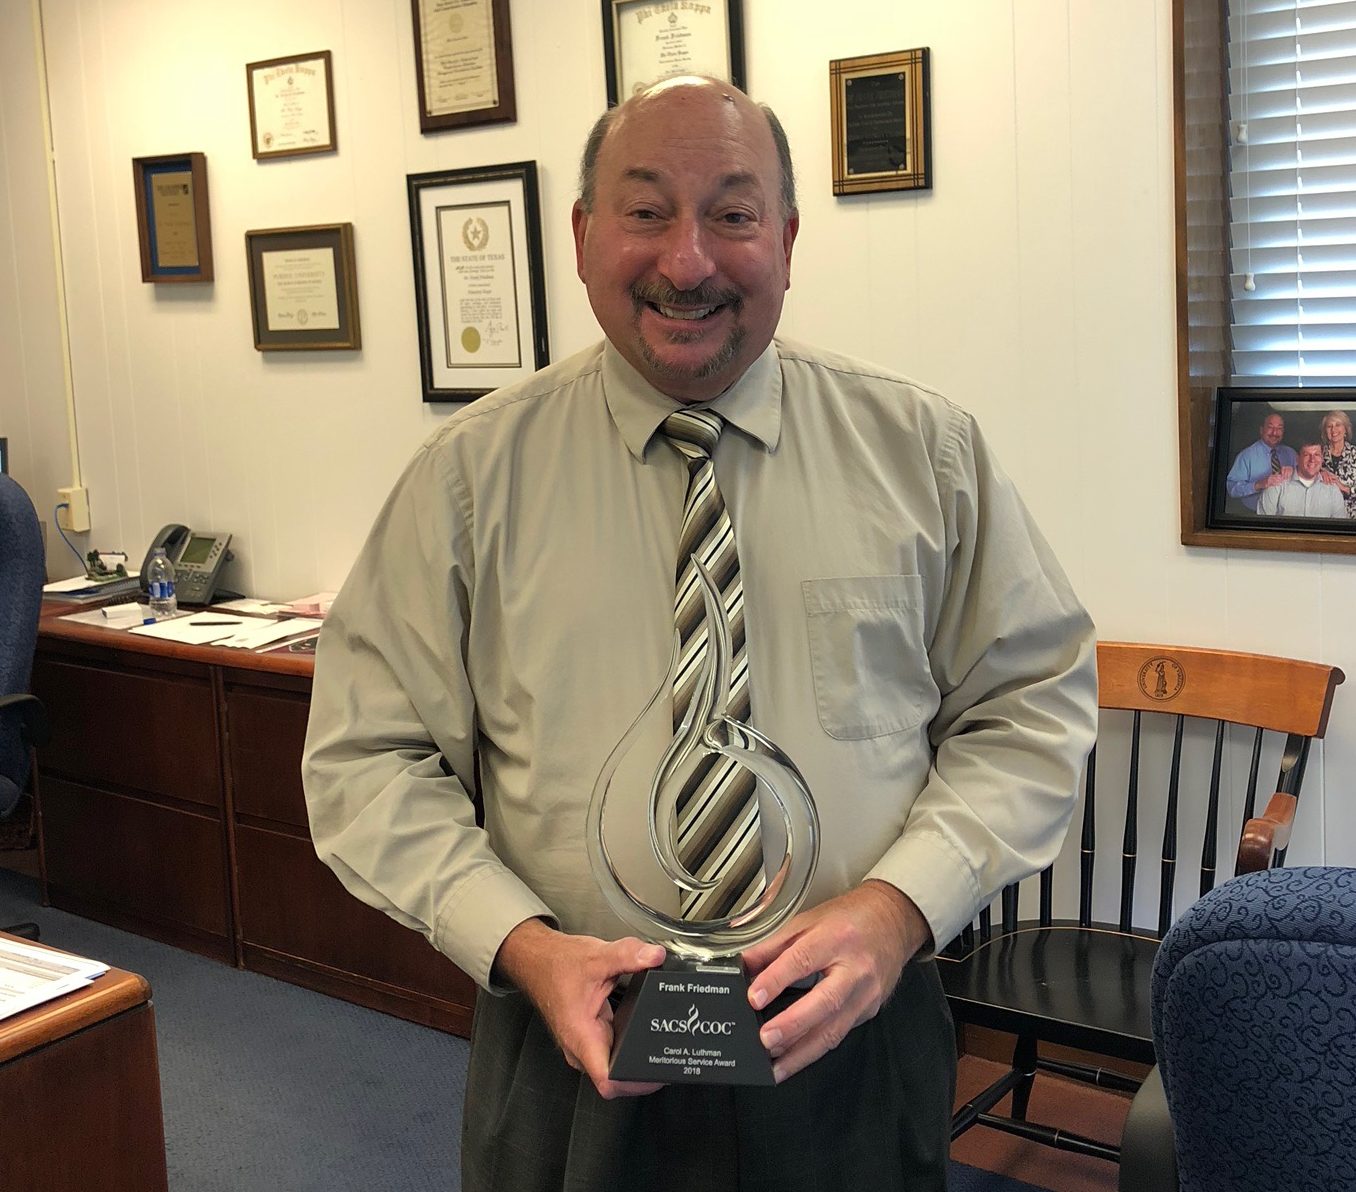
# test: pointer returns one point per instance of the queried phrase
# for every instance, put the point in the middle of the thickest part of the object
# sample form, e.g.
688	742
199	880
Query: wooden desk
170	804
80	1092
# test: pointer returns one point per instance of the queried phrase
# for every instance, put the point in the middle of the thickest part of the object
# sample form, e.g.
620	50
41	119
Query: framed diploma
463	56
648	40
291	106
882	124
303	288
173	224
478	278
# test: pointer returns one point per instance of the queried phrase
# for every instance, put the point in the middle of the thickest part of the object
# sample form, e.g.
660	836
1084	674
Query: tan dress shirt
913	646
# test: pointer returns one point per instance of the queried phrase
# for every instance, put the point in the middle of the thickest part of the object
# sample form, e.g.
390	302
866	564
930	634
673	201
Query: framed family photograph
291	106
880	109
463	57
1284	459
303	288
479	287
648	40
174	227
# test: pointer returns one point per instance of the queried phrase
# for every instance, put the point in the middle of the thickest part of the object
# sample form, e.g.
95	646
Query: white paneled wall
1034	284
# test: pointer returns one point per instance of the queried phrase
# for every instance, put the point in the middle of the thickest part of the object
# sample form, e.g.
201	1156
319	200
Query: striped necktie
718	834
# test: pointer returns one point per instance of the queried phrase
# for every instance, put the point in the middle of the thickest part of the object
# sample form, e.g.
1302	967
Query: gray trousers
873	1114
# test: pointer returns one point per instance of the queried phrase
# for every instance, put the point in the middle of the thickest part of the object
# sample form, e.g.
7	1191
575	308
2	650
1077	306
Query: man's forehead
657	176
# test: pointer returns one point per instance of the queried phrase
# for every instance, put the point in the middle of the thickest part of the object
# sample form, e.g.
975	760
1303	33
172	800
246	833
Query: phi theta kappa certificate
291	107
657	39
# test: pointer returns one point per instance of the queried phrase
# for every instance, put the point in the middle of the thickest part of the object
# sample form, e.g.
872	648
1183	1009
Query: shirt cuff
473	924
929	869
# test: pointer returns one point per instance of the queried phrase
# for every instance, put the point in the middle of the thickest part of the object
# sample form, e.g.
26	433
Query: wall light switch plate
75	515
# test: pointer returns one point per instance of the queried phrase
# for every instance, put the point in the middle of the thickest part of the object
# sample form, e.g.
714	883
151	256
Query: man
1265	464
513	610
1307	493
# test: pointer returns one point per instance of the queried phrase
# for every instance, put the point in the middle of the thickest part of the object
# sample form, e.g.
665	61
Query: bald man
910	639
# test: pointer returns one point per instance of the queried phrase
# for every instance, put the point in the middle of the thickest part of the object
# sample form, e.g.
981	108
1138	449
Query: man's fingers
630	955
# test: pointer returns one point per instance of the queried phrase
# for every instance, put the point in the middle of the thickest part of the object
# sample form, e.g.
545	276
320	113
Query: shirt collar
753	403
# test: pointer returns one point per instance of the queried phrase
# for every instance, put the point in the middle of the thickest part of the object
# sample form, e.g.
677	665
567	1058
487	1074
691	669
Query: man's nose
686	259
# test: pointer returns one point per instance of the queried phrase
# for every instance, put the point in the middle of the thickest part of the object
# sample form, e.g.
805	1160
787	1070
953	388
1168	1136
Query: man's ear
789	230
579	221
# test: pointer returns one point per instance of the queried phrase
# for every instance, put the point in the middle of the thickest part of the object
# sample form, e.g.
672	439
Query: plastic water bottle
160	581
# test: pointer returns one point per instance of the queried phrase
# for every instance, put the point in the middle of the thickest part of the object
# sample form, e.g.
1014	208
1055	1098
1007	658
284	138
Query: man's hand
1275	478
568	978
859	942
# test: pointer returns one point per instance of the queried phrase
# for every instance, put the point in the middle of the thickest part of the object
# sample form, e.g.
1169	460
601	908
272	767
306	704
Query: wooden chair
1085	983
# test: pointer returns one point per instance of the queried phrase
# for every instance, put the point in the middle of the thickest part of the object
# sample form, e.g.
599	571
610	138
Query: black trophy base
689	1022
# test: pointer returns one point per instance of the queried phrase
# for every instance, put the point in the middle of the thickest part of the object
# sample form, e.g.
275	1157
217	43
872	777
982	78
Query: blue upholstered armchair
1254	1022
23	722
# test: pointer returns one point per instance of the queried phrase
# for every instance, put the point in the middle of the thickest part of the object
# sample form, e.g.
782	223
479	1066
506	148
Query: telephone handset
197	555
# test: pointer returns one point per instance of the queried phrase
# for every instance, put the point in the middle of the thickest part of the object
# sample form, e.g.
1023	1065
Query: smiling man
905	634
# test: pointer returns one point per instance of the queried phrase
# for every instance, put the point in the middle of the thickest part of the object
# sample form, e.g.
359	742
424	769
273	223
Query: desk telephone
197	555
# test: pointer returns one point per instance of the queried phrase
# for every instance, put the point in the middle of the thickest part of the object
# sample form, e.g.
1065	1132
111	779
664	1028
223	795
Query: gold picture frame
881	116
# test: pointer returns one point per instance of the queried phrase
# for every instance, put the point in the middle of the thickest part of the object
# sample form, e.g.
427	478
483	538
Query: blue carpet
271	1088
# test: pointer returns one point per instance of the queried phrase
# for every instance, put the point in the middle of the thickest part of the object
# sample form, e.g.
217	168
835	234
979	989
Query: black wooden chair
1085	983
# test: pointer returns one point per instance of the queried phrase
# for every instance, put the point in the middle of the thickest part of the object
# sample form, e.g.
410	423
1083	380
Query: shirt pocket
866	653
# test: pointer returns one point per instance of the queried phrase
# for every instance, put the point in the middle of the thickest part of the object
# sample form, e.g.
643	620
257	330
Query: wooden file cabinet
171	805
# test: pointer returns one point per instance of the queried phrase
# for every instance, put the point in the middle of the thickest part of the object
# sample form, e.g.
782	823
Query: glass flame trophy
689	1021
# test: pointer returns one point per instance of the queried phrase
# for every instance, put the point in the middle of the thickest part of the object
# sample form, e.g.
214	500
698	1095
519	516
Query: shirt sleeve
1013	655
389	764
1240	480
1269	502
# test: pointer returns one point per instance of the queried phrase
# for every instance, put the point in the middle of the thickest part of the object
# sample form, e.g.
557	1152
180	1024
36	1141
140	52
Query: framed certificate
882	124
173	224
478	278
303	288
648	40
463	56
291	106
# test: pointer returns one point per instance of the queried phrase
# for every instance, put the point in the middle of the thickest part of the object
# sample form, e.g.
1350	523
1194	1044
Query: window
1292	123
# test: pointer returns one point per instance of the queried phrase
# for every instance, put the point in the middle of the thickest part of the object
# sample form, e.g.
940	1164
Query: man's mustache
703	295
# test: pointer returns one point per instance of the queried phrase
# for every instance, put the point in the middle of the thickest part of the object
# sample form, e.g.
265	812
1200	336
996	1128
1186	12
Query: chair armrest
33	724
1266	833
1148	1160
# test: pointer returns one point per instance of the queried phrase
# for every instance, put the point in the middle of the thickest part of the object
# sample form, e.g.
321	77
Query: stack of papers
82	588
30	975
244	633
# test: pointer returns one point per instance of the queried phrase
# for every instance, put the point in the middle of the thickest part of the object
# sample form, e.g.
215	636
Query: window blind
1292	111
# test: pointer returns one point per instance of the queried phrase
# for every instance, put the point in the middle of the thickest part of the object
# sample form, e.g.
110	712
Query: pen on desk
216	622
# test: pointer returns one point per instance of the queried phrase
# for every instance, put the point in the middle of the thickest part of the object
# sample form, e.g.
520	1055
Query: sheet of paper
200	629
253	606
30	976
111	616
261	633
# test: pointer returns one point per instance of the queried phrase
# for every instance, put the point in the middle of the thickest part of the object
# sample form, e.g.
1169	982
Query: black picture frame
475	235
289	140
880	110
174	230
437	73
727	17
1239	463
331	290
4	456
